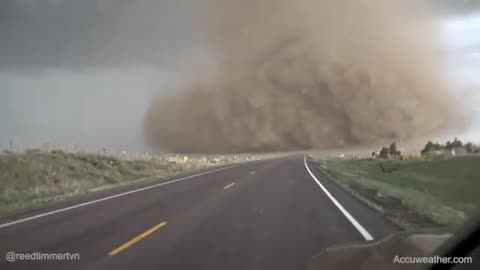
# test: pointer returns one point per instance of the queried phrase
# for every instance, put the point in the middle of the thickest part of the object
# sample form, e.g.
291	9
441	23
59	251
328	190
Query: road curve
272	214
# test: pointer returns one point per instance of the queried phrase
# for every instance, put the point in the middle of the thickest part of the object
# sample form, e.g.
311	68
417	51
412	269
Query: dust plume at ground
293	75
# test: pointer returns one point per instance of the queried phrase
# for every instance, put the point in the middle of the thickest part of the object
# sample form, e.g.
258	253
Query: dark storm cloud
454	7
72	33
83	33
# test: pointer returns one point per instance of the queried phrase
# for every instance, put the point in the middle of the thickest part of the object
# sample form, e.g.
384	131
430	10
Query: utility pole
11	144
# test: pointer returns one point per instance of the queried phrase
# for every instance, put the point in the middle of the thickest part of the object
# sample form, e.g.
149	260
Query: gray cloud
83	71
79	34
94	108
85	33
453	7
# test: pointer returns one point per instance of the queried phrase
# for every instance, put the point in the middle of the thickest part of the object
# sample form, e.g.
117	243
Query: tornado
310	74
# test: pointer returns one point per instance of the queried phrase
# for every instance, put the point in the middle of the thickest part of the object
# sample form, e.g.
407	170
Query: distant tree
384	153
393	150
457	143
448	145
430	147
469	147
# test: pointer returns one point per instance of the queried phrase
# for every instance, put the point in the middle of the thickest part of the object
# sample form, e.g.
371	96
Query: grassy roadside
35	177
416	194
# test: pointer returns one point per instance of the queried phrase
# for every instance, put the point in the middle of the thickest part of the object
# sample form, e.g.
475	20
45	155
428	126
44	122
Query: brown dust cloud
305	74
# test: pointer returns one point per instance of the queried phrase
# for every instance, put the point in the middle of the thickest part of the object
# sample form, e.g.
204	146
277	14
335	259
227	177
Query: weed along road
271	214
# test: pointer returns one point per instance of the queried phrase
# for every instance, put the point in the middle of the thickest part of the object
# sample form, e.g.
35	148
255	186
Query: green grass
436	193
36	177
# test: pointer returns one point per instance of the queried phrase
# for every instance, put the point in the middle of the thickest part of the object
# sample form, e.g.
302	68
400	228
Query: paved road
272	214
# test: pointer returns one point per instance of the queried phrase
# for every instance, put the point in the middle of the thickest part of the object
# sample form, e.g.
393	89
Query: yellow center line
136	239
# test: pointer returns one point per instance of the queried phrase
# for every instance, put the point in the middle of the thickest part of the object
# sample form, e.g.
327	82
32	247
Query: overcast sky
83	71
106	33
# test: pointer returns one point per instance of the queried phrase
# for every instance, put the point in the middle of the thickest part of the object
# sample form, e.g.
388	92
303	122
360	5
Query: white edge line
107	198
231	185
350	218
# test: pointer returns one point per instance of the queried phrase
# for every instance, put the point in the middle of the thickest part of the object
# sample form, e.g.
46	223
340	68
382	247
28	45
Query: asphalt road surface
272	214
